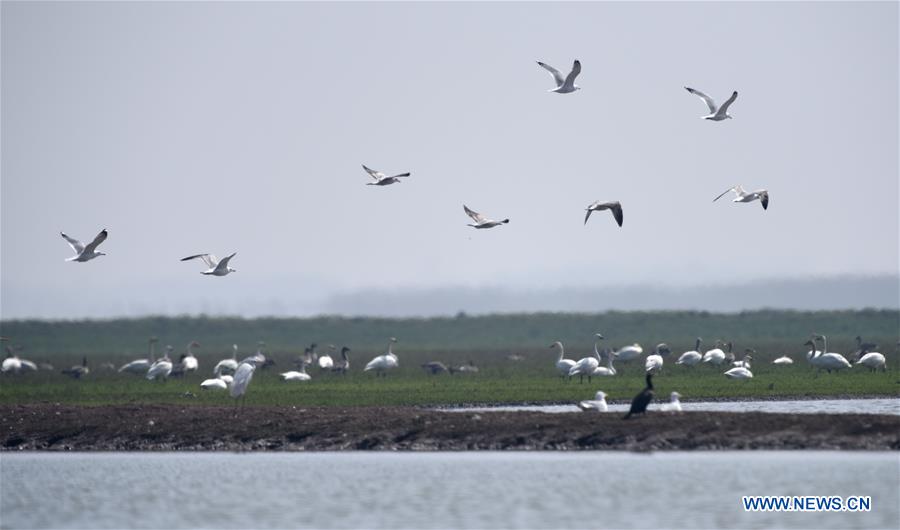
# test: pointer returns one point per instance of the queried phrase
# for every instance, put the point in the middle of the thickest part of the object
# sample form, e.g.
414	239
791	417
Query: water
812	406
438	490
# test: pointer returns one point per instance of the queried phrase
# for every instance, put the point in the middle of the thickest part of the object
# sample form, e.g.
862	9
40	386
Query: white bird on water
598	403
385	362
482	221
564	85
615	207
562	365
216	266
742	195
716	113
85	252
381	179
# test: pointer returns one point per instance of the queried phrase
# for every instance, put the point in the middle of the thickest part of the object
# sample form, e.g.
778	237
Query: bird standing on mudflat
640	401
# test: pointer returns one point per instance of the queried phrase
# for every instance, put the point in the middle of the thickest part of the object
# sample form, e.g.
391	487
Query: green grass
500	381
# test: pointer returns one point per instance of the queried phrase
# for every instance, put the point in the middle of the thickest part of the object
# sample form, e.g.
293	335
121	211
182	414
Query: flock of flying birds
564	85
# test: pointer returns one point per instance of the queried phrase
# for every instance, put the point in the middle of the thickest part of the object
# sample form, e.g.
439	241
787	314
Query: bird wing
724	108
709	101
477	217
209	259
101	237
588	214
557	76
764	198
223	264
401	175
377	175
725	193
76	245
576	69
616	208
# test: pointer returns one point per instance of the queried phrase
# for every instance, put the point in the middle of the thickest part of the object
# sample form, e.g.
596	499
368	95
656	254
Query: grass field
498	381
532	379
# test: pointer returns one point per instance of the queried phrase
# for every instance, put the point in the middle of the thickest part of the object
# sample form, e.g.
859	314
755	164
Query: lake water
438	490
811	406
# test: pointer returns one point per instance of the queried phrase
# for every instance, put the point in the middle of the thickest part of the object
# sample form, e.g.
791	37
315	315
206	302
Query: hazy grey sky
221	127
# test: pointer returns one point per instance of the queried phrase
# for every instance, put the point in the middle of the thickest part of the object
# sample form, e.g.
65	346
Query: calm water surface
812	406
438	490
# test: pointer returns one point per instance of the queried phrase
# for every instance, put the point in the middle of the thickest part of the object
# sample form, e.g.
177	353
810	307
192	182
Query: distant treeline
491	332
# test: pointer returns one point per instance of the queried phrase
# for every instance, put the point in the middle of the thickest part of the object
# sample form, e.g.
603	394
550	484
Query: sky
240	127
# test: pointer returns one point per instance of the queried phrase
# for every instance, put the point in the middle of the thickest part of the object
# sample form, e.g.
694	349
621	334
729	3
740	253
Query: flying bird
381	179
567	84
614	207
482	221
747	196
85	253
216	267
716	113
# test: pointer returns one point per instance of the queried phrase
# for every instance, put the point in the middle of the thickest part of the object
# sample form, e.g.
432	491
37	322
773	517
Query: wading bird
640	401
242	377
140	366
614	207
587	365
216	266
381	179
716	113
691	358
564	85
562	365
747	196
387	361
482	221
598	403
85	252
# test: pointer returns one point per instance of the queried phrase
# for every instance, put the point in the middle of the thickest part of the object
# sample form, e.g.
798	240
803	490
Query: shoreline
49	427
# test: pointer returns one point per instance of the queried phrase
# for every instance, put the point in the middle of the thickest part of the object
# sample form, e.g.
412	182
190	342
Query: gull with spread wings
482	221
747	196
85	252
564	85
716	113
614	207
381	179
216	267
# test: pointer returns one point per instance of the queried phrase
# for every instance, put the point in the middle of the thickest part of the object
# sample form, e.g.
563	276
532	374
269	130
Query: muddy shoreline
49	427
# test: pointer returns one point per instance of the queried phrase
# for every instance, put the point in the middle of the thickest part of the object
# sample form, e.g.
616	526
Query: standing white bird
742	195
564	85
140	366
873	360
673	405
629	353
654	362
784	359
482	221
385	362
587	365
691	358
828	361
325	361
562	365
216	266
189	363
614	207
598	403
162	367
242	377
227	366
85	252
381	179
716	113
715	356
